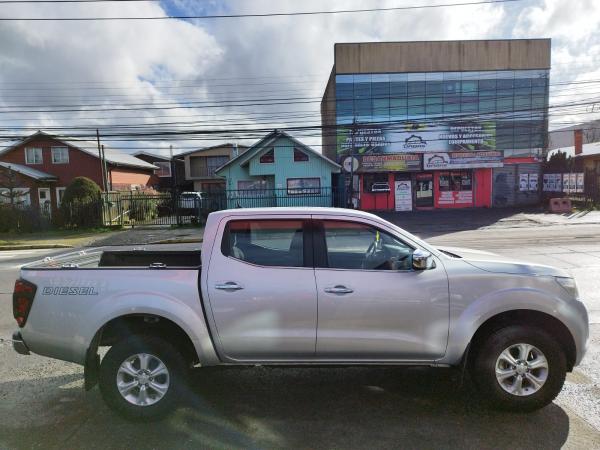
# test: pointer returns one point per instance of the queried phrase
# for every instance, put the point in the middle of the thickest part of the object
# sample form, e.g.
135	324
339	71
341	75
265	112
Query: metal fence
134	209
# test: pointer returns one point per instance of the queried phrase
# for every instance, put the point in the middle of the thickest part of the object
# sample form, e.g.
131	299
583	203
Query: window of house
164	169
265	242
60	193
300	156
268	157
303	186
358	246
60	155
33	156
251	184
214	162
18	196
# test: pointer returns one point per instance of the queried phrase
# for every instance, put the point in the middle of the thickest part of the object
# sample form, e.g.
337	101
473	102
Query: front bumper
19	344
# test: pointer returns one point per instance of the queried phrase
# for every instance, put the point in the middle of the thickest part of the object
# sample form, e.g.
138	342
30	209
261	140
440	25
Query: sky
200	64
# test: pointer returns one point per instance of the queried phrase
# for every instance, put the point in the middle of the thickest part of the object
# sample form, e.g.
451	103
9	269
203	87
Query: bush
81	206
24	219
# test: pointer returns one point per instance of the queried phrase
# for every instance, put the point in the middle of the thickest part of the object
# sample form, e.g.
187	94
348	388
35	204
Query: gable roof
113	157
227	144
29	171
151	155
243	158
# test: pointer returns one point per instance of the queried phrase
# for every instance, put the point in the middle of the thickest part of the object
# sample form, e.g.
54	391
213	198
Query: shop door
424	190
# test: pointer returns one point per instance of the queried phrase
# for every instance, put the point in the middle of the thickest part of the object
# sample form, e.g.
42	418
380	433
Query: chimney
234	150
578	137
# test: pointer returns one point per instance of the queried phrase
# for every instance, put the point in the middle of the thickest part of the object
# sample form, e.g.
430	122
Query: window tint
356	246
265	242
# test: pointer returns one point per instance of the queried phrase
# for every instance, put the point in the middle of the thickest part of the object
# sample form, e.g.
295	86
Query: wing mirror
422	260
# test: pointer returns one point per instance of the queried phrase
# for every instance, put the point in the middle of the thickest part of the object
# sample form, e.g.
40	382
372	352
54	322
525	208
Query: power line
262	15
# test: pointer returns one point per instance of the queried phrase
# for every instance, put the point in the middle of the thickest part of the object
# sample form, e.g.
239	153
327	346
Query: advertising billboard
382	163
462	160
416	137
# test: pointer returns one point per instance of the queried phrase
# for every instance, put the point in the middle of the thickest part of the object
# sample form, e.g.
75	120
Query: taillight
22	300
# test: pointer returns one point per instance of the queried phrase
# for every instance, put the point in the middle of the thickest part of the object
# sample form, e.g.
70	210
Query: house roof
151	155
114	157
590	149
227	144
242	158
29	171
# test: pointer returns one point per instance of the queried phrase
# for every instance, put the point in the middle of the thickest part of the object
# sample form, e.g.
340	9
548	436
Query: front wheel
142	377
519	368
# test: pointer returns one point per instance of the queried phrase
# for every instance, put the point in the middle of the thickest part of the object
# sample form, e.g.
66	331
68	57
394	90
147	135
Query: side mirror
422	260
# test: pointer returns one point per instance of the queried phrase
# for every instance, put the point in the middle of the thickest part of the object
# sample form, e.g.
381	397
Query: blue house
279	170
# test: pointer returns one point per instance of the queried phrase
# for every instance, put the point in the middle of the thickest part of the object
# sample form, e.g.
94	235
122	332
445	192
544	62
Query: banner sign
533	181
462	160
386	163
416	137
403	195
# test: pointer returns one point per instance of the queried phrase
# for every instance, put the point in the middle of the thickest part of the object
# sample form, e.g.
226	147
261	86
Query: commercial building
441	124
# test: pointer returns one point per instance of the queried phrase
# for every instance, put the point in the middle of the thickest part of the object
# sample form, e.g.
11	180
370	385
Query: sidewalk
423	223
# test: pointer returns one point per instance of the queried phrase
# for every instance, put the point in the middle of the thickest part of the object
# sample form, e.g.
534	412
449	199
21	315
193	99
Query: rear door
372	305
262	291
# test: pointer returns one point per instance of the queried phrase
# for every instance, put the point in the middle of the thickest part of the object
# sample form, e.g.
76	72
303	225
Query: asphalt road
43	405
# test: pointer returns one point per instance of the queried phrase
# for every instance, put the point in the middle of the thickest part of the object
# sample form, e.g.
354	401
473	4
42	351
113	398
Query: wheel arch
126	325
544	321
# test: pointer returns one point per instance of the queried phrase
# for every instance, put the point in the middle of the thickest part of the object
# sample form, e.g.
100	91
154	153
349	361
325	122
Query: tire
162	390
489	357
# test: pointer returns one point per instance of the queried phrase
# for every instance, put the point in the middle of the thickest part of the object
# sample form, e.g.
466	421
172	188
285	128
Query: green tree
80	206
559	162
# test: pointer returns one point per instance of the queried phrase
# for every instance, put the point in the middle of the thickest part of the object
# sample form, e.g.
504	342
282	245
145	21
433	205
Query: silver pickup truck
290	286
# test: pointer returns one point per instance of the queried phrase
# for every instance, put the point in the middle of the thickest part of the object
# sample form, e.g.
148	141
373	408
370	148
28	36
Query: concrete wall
441	56
328	120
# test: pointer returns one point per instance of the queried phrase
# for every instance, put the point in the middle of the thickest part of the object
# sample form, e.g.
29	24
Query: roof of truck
294	210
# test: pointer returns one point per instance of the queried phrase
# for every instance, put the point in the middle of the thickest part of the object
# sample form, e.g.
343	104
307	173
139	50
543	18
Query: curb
33	247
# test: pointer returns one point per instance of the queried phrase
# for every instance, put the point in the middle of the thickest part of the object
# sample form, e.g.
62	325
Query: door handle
228	286
338	290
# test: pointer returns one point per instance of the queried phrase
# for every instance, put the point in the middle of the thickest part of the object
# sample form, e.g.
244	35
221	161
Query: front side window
303	186
268	157
357	246
33	156
60	155
60	193
265	242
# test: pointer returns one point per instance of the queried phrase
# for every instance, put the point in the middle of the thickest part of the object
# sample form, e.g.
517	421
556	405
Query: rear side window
265	242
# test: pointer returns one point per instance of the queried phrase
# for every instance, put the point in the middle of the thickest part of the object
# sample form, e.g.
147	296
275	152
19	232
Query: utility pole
105	180
101	163
173	171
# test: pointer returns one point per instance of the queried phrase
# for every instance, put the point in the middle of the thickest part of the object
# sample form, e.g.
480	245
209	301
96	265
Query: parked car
191	201
380	187
253	294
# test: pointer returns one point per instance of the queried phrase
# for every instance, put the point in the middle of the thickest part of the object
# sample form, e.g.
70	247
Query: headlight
568	285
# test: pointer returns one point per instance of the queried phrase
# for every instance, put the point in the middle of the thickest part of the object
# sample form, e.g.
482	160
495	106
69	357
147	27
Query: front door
262	292
372	305
424	190
44	201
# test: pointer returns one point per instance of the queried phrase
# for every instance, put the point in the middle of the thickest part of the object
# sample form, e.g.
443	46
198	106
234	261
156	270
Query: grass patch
50	237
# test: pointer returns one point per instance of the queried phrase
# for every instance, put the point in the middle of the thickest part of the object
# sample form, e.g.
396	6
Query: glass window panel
469	88
352	245
416	88
265	242
434	87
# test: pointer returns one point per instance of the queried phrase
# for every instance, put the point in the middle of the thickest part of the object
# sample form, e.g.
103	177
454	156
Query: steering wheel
373	256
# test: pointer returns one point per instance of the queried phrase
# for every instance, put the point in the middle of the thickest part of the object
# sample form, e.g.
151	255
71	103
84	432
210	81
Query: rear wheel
519	368
142	377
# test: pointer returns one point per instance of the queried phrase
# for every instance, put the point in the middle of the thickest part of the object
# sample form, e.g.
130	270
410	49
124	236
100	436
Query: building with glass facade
439	124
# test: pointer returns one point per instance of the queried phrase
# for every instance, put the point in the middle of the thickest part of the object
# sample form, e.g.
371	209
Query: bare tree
9	191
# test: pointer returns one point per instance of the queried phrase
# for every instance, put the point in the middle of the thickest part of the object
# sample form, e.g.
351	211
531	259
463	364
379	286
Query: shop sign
417	136
462	160
403	195
455	198
404	162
